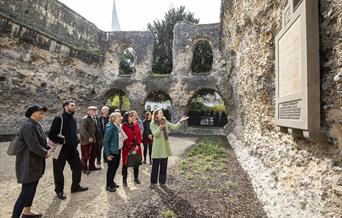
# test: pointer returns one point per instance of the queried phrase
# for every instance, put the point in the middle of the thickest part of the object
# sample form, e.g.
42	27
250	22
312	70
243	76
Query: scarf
122	136
163	122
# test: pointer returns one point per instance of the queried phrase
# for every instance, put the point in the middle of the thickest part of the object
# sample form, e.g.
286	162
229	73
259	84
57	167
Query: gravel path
96	202
133	201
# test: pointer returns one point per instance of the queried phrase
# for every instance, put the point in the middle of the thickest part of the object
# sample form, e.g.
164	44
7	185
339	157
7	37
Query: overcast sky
135	14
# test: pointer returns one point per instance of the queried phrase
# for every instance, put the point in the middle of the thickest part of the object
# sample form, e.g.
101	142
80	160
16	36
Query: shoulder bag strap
60	130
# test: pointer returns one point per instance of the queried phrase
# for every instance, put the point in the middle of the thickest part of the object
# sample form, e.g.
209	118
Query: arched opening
202	57
126	66
117	99
207	108
159	99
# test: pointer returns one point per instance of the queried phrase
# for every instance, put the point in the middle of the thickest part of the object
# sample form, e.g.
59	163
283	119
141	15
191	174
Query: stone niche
297	70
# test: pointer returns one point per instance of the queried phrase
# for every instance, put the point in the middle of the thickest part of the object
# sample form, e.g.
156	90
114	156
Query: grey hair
104	108
113	116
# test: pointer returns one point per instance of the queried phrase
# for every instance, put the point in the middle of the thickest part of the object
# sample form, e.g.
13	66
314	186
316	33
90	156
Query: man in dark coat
102	122
69	151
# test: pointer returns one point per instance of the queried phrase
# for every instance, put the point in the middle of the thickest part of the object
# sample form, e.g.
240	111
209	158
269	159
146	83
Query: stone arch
122	98
120	47
117	50
216	115
202	57
164	97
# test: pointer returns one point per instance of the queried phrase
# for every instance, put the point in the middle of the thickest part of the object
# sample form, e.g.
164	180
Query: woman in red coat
131	144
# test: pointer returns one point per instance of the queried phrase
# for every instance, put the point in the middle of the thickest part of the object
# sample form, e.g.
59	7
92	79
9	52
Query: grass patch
230	184
189	176
232	200
179	171
169	214
214	190
194	186
205	157
208	178
224	174
208	168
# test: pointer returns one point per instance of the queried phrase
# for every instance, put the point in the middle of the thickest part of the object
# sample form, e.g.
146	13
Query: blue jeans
159	167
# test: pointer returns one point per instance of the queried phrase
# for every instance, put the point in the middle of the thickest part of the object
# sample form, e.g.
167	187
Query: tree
202	58
119	100
162	31
126	65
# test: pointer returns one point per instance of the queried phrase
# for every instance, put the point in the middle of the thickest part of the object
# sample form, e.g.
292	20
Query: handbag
56	147
133	159
13	146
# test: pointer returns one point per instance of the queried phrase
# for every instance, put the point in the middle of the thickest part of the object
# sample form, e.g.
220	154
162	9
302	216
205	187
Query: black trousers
113	166
73	159
98	148
25	199
135	172
159	167
149	148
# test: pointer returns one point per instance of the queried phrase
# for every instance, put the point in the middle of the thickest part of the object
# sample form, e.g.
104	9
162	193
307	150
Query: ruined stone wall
40	63
304	177
31	73
54	19
186	35
36	67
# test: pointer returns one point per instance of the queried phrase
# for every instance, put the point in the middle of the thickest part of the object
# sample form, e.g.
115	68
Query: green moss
159	75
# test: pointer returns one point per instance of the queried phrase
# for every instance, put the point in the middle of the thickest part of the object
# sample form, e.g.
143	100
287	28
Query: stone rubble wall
39	63
55	19
307	175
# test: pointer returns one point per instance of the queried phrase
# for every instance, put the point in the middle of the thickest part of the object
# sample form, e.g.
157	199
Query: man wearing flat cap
89	135
66	123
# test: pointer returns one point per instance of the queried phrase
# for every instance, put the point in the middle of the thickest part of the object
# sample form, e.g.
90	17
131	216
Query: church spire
115	20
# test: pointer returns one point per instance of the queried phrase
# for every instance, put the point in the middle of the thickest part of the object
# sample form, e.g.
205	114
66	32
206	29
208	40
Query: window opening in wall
126	65
202	58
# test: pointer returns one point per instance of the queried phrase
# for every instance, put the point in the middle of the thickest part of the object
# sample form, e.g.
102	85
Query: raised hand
184	118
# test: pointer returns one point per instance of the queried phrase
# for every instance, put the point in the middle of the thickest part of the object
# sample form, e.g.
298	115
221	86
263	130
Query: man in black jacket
69	151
